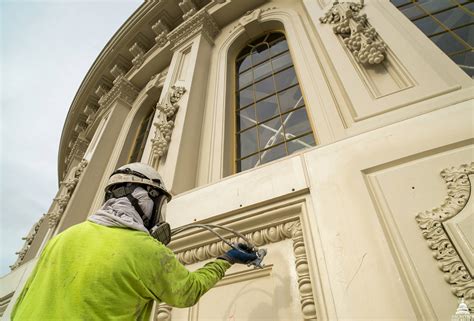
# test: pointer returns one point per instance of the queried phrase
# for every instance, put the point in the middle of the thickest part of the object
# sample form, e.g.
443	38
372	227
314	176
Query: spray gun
257	263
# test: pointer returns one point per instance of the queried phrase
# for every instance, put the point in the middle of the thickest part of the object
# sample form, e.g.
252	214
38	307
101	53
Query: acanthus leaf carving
123	89
431	225
201	22
358	36
166	114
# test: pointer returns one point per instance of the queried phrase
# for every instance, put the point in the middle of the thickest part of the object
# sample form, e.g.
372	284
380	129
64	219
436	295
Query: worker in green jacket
114	265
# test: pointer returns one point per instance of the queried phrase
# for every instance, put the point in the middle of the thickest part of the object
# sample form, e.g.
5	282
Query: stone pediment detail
433	226
272	234
122	89
201	22
166	114
359	37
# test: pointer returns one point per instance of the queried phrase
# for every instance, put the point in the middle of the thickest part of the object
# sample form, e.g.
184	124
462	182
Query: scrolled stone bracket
166	114
431	225
358	35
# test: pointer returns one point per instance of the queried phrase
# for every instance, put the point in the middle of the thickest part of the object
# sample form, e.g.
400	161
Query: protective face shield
159	229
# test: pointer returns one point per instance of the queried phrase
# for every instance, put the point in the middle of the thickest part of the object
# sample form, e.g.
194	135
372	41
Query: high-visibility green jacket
93	272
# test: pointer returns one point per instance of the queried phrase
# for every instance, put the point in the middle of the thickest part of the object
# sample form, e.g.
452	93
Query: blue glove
242	256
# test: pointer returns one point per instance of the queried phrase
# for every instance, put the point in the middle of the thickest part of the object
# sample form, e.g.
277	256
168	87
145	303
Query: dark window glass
271	118
140	140
448	23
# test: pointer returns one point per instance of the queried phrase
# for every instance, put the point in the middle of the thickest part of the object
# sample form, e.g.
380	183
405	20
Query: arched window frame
278	118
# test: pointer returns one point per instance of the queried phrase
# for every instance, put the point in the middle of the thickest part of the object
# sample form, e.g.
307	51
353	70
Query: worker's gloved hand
244	256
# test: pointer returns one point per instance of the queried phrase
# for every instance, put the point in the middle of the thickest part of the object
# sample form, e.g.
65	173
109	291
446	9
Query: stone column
178	122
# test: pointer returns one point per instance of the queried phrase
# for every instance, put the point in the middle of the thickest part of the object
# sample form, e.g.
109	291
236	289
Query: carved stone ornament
66	190
28	240
359	37
138	51
201	22
163	312
188	8
123	89
78	149
250	17
161	29
166	112
273	234
432	225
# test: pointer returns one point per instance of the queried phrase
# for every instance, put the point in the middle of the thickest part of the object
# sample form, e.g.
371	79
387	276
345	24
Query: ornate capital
201	22
358	36
122	89
433	230
165	124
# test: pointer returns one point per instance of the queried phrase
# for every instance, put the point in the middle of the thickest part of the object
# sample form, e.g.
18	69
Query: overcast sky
47	47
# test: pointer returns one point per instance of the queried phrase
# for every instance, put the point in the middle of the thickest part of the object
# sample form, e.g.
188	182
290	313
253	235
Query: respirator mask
156	224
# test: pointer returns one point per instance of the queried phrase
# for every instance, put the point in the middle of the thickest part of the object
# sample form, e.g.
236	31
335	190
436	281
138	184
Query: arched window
271	118
140	140
448	23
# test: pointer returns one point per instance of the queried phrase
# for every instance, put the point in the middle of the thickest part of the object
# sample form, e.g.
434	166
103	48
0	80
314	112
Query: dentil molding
431	224
356	32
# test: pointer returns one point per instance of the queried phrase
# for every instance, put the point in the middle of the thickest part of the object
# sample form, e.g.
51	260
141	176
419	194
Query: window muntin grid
271	118
448	23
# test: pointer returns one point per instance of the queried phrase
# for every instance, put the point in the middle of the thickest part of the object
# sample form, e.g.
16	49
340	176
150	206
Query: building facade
338	136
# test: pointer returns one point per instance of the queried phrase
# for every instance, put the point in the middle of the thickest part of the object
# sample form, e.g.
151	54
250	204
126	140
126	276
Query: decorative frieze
138	51
28	240
166	112
122	89
66	190
161	29
188	8
358	36
201	22
78	149
432	222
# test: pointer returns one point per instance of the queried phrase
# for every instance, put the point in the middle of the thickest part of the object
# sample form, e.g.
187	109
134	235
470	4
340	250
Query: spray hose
257	263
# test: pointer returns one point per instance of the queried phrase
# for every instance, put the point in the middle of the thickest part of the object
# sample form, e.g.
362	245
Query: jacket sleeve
173	284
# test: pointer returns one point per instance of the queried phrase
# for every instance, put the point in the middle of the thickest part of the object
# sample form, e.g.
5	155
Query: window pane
246	118
278	47
273	153
290	99
300	143
399	2
264	88
262	71
428	25
245	97
267	108
247	142
285	79
281	62
447	43
245	79
270	133
260	53
412	11
454	17
466	62
467	34
296	123
244	64
248	162
433	6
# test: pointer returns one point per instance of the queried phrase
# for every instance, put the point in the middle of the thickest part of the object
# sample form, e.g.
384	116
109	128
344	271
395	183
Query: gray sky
47	48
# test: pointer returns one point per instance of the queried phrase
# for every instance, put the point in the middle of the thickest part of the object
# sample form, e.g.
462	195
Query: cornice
122	89
201	22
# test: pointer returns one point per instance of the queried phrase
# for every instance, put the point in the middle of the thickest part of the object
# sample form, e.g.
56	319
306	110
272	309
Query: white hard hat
138	173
